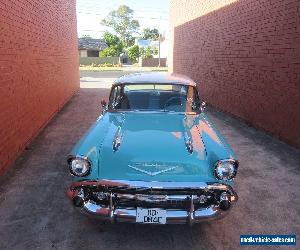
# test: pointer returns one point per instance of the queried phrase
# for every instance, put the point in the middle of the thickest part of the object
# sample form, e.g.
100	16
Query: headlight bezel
81	158
235	165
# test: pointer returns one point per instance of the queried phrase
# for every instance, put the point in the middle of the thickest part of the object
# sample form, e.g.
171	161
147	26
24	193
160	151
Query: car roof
154	78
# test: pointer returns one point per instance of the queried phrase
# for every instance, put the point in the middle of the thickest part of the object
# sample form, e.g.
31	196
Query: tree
134	53
122	22
146	53
151	34
111	40
115	45
108	52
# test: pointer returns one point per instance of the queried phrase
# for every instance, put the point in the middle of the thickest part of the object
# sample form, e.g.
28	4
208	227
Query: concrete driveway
35	213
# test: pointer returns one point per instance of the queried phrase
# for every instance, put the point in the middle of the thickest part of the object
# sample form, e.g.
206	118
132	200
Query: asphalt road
35	213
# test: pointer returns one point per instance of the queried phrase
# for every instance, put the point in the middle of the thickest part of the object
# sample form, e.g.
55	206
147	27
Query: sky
149	13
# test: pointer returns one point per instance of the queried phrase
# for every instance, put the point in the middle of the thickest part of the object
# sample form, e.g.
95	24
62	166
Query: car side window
113	97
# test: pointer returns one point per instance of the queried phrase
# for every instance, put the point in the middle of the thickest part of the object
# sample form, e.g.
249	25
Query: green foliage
151	34
122	22
134	53
111	40
115	45
110	51
155	51
131	41
146	53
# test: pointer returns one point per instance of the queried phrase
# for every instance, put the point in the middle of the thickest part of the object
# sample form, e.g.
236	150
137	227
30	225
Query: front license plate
151	215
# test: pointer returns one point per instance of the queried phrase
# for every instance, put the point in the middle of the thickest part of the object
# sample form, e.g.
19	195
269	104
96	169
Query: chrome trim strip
141	184
186	82
153	184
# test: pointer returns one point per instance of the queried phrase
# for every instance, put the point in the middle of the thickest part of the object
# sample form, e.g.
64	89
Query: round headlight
226	169
79	166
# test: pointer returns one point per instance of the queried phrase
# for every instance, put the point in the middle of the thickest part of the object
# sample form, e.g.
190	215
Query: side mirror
104	106
203	106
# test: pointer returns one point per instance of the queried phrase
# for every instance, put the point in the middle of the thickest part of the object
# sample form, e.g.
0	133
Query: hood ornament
188	143
150	172
117	139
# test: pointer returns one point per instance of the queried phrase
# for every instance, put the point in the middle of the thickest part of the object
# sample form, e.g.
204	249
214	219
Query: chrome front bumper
112	212
173	216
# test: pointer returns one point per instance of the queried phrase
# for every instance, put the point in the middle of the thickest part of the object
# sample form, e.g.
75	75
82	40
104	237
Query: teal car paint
170	141
152	138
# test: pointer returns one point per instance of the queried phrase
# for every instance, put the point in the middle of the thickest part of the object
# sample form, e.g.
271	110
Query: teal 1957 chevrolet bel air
153	156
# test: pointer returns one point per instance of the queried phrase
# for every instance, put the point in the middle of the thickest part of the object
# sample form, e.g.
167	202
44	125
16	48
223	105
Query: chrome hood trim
188	136
117	139
137	168
188	143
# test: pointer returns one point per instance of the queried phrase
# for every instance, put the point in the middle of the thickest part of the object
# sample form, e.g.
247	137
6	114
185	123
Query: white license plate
151	215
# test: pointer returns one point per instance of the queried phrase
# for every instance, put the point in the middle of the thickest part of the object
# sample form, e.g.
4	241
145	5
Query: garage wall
39	68
245	55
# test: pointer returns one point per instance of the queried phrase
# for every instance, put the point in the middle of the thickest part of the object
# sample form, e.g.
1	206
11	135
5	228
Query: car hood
152	147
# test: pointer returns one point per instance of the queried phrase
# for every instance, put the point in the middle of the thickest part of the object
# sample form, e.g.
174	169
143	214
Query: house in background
89	47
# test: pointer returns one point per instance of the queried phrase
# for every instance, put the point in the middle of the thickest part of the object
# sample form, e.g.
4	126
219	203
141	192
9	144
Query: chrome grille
168	199
121	202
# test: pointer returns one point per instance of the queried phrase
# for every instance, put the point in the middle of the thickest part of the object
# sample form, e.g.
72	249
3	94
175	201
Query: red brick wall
245	55
39	68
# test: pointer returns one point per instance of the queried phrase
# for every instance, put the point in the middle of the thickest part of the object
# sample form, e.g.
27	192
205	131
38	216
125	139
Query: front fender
215	145
90	144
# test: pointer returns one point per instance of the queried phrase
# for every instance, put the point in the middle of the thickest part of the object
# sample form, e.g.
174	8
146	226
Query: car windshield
154	97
